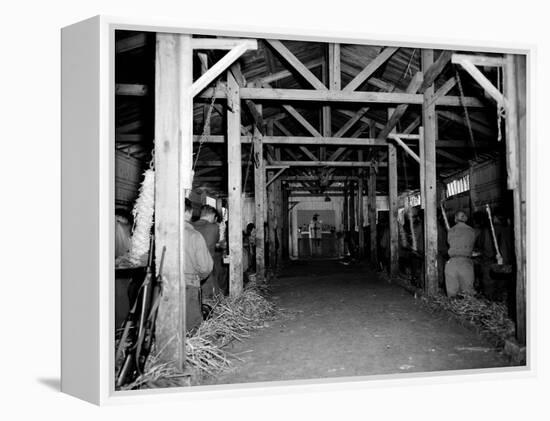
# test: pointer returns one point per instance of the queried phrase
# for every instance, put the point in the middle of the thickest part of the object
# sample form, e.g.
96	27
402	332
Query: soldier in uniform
210	231
459	270
198	265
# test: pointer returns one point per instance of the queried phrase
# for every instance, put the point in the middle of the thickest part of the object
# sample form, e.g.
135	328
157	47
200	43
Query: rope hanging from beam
466	114
205	135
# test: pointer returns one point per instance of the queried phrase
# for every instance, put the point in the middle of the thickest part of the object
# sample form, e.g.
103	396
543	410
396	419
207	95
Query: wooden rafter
300	119
222	43
480	78
250	106
296	64
202	82
370	69
351	121
282	128
283	74
131	43
477	60
480	128
414	85
407	149
291	154
341	96
341	142
131	89
435	70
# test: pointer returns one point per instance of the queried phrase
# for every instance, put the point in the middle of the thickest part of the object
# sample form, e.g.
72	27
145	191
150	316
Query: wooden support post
394	229
361	215
430	182
295	251
259	199
285	232
278	215
372	216
516	142
234	187
346	210
272	220
352	212
173	116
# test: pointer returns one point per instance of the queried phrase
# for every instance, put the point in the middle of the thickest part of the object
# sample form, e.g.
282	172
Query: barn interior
380	143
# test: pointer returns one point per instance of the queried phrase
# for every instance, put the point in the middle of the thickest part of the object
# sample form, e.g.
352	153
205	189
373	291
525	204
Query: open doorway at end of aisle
317	237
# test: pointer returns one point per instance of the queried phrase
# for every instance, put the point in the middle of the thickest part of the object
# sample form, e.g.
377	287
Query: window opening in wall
458	186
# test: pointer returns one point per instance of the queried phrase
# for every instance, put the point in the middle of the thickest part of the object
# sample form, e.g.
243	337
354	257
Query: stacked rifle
138	329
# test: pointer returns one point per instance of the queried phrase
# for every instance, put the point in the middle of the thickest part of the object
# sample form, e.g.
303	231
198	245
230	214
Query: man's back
198	261
461	240
210	233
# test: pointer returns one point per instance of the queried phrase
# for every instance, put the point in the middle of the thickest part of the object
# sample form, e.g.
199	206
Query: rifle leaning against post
146	335
128	348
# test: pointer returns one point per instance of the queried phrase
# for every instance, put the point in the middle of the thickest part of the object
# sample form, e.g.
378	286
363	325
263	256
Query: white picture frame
88	208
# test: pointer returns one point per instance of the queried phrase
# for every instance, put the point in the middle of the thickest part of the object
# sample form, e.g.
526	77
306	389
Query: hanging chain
466	114
500	108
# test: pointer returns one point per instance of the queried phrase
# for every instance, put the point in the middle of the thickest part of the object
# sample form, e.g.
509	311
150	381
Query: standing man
198	265
315	235
459	270
210	231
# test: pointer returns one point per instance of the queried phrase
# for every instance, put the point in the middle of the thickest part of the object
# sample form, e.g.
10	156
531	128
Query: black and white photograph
290	210
310	209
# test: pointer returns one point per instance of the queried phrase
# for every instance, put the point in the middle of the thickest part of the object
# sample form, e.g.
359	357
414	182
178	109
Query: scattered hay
488	316
231	319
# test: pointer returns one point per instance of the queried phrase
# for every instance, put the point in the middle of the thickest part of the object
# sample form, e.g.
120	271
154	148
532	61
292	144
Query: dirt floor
340	321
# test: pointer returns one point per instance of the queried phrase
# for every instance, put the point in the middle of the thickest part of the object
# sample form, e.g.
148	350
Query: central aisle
341	321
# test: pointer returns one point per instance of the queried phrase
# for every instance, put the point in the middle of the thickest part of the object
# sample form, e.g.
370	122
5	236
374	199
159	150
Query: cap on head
460	216
208	211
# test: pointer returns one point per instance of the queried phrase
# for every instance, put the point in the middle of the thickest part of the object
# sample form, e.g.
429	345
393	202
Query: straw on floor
488	316
231	319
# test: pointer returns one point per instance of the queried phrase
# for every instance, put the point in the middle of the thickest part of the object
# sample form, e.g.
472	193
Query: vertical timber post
295	228
173	124
361	216
372	215
259	201
277	189
345	238
271	209
234	186
429	135
394	233
285	232
352	213
515	87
